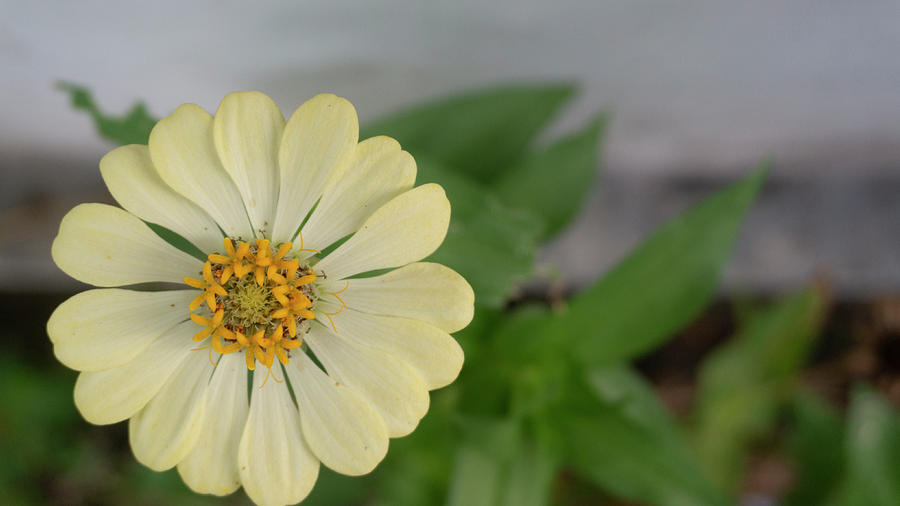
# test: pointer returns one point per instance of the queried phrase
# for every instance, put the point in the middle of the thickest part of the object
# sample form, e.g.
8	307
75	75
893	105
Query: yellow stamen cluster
260	313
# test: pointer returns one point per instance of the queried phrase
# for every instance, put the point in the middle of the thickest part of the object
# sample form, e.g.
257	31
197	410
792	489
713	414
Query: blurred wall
700	92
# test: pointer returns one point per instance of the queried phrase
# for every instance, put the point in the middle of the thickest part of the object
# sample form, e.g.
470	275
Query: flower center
260	301
247	303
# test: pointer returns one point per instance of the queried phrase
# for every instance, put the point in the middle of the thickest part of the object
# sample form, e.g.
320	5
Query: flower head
261	198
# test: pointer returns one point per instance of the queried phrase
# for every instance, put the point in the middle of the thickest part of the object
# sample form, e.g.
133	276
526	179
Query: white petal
212	466
318	141
182	149
433	353
247	132
113	395
406	229
378	172
275	464
134	182
421	291
165	431
341	428
106	246
102	329
393	387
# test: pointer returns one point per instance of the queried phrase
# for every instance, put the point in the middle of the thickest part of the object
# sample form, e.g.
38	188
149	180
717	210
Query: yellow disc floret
235	263
210	288
259	300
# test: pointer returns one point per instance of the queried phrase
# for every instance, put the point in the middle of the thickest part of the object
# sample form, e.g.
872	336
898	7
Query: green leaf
873	452
417	468
479	133
815	442
334	489
131	128
620	387
743	383
38	423
532	472
660	286
621	438
492	245
511	369
474	337
177	240
482	457
500	461
497	369
554	181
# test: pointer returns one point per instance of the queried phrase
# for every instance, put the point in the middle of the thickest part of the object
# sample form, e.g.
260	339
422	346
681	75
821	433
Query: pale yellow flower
238	185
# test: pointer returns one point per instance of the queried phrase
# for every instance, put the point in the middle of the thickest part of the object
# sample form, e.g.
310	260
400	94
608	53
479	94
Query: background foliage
549	408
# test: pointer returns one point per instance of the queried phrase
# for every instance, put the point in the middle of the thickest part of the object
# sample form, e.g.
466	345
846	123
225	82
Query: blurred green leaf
531	474
555	180
132	127
815	442
417	468
743	383
139	485
622	439
479	134
37	422
662	285
620	387
492	245
514	369
473	338
500	462
873	453
333	489
486	449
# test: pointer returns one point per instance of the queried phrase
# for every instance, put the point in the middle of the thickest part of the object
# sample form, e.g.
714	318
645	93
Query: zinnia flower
340	354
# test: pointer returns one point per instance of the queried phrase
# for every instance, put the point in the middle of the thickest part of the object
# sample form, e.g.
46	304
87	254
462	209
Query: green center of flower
261	301
248	304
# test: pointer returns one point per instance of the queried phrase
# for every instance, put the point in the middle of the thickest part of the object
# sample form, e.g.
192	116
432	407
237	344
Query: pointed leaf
662	285
479	133
621	438
743	383
815	442
555	180
873	452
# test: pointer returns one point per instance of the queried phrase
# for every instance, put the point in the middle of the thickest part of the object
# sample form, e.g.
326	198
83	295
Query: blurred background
696	96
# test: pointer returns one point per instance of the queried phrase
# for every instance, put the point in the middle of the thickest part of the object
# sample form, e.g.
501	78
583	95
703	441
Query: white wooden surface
700	91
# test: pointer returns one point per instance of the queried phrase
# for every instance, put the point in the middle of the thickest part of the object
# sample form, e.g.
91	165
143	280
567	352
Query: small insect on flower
263	200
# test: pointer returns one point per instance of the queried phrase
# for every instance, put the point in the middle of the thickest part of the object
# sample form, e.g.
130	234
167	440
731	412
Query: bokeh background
697	95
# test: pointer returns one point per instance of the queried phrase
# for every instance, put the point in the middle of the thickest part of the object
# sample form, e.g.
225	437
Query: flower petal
378	172
212	466
406	229
106	246
421	291
276	466
341	428
182	149
318	140
133	181
247	132
393	387
113	395
102	329
435	355
165	431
